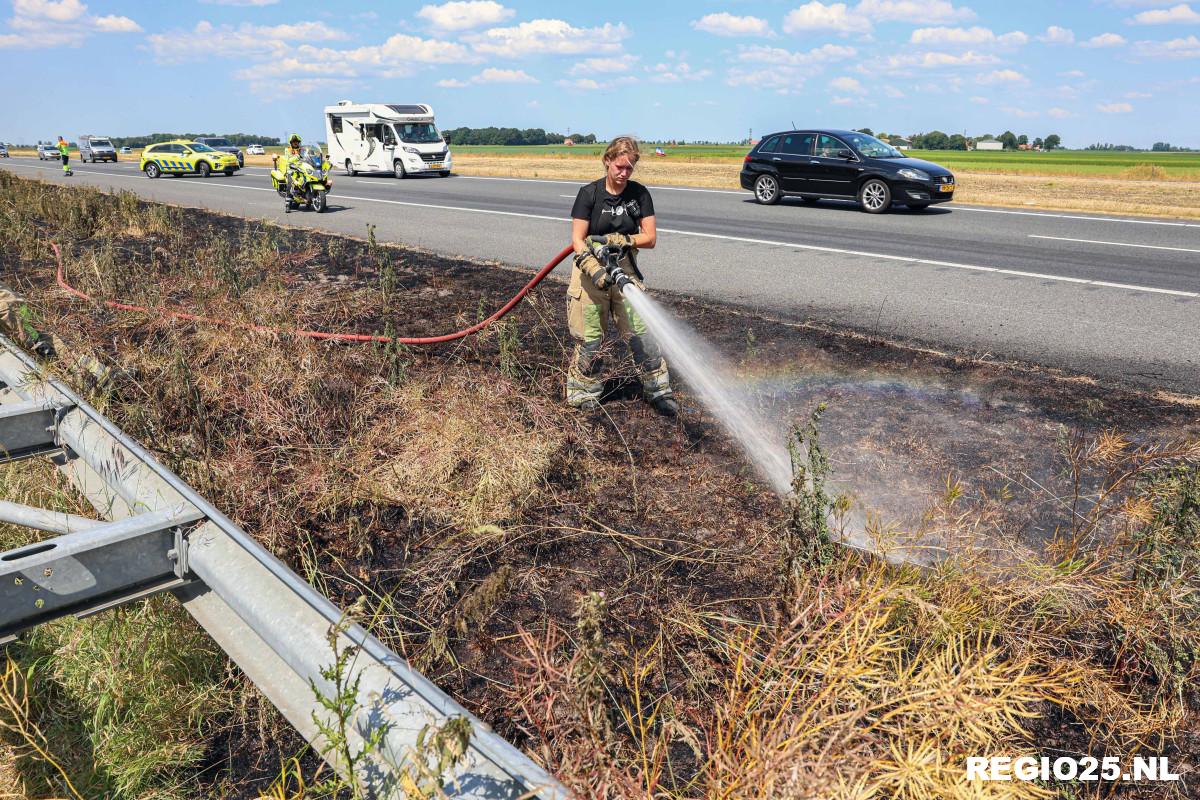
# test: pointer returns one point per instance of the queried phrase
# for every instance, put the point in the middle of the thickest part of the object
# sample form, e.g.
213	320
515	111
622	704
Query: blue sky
1124	71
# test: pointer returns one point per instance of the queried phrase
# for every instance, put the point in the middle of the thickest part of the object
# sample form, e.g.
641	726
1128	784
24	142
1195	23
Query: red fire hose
327	336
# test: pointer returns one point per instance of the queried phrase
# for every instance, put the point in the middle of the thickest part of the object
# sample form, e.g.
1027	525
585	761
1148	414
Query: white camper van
379	137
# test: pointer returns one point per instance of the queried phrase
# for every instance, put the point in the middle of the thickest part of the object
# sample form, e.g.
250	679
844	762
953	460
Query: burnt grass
657	514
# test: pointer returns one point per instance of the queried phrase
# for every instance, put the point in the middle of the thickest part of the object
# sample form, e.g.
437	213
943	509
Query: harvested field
617	594
1064	193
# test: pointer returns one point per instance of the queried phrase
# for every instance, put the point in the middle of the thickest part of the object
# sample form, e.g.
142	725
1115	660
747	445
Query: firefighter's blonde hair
622	146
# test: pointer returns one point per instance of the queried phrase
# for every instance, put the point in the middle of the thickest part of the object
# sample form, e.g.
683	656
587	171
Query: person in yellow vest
64	154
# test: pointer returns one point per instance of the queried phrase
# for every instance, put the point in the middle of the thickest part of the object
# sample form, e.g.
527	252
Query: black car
845	165
224	145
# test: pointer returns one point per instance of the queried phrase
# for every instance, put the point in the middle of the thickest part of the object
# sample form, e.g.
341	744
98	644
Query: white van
96	148
378	137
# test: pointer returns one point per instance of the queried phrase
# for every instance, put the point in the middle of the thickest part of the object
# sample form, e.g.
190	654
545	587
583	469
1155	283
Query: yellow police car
182	157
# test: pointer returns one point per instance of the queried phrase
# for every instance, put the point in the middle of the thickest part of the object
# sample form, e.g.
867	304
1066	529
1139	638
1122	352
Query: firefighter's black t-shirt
611	213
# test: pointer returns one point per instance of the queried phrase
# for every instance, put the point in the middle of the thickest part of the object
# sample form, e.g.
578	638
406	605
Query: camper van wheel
445	173
350	170
398	168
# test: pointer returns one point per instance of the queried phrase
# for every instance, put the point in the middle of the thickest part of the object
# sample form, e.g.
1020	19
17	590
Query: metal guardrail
163	536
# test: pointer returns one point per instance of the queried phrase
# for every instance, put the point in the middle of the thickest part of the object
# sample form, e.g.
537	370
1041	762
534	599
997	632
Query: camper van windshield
418	133
101	143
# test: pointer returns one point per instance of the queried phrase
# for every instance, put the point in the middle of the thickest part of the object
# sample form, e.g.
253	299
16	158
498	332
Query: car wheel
204	169
918	206
875	196
445	173
398	169
152	170
766	189
350	170
228	173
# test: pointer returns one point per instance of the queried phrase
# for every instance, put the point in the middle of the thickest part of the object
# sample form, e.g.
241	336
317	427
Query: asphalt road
1115	298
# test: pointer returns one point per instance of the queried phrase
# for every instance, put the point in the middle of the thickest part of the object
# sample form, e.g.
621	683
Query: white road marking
723	237
1078	216
952	264
1117	244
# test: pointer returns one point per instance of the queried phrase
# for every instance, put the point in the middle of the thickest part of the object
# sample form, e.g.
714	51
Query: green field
1094	163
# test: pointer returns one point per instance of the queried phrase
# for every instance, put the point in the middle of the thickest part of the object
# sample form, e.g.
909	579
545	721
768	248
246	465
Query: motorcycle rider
622	211
64	154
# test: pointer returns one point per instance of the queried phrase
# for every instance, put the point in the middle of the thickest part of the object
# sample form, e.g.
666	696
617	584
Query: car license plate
947	187
435	165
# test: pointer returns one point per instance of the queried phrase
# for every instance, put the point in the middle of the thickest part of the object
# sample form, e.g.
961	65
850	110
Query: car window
827	146
796	144
769	145
151	149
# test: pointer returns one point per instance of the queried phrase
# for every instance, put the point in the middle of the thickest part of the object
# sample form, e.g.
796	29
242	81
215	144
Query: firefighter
621	211
64	154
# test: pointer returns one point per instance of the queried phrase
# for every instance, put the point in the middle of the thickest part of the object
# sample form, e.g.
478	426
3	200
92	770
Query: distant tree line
937	140
237	139
1167	147
512	136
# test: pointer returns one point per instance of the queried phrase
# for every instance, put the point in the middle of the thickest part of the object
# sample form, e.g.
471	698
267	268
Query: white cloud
593	66
975	35
452	83
1004	76
1073	73
844	101
1105	40
1114	108
726	24
893	92
847	84
548	36
1176	48
1056	35
279	90
776	55
246	40
53	10
1019	112
1137	95
968	58
59	23
919	12
111	23
584	84
817	16
980	100
676	72
1181	14
1058	113
493	75
240	2
461	16
781	79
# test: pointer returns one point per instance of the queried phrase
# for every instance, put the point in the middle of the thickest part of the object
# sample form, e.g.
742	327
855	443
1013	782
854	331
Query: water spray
708	375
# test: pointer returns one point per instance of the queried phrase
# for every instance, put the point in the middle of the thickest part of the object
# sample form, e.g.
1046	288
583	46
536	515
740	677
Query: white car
126	151
256	150
48	151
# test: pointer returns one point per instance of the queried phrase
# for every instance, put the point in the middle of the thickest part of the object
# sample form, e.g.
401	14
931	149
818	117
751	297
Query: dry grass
1142	193
608	596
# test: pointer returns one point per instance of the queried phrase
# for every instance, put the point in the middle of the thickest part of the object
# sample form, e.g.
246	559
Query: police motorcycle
303	180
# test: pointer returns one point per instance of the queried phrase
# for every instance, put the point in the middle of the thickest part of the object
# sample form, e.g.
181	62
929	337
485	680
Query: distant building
569	142
989	145
899	142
